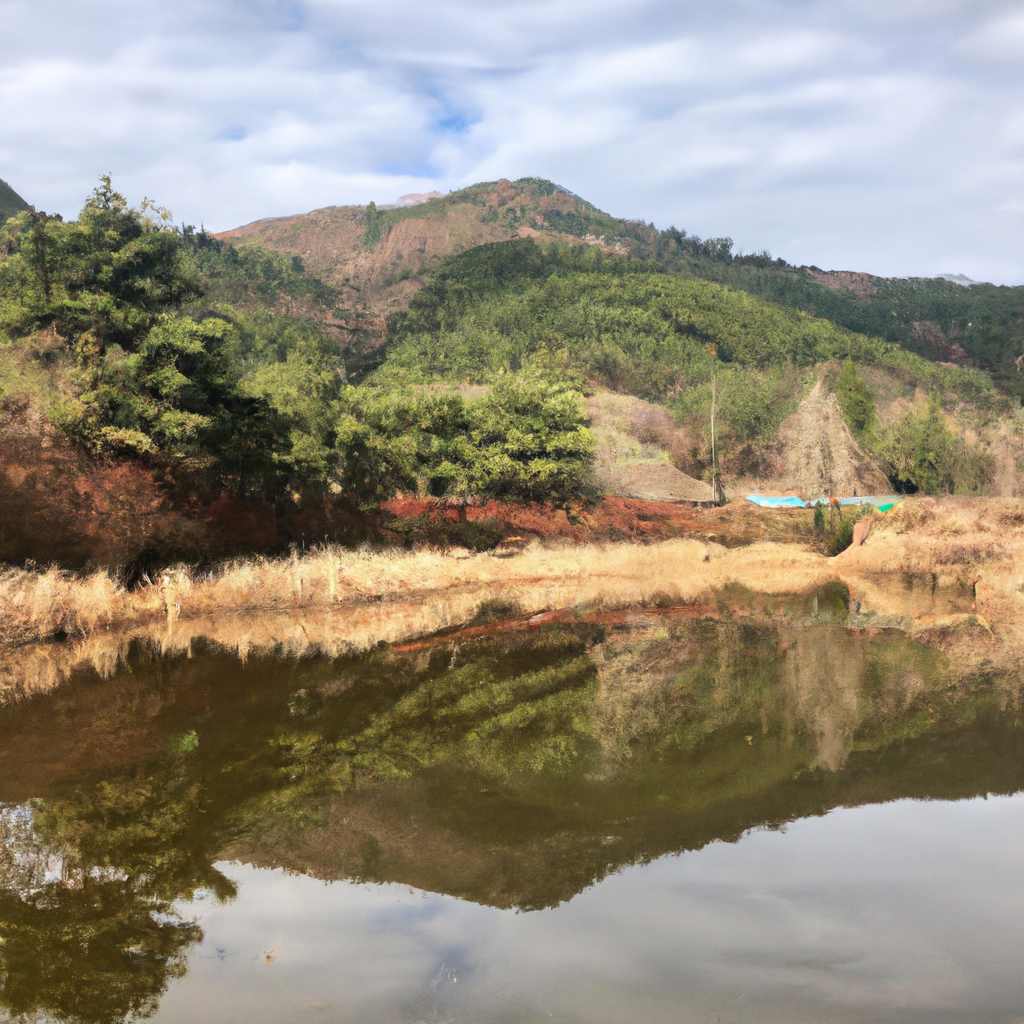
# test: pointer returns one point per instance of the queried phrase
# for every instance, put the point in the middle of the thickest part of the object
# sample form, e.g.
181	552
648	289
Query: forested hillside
165	393
10	202
149	373
382	257
980	325
592	319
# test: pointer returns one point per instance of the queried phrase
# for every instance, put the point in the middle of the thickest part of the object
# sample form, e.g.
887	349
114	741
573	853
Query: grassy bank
948	571
442	588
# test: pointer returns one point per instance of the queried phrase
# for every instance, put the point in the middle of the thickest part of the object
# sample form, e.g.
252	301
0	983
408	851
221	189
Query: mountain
509	341
380	258
382	255
11	203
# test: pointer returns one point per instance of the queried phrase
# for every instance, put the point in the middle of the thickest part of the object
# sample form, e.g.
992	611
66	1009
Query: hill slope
383	257
863	409
10	202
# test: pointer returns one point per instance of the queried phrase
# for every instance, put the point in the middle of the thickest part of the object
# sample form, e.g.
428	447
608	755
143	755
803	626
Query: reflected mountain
508	770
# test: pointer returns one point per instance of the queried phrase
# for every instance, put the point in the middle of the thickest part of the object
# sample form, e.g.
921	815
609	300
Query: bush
523	441
924	455
856	401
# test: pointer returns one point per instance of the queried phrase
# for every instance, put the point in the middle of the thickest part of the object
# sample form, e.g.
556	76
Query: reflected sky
665	819
910	910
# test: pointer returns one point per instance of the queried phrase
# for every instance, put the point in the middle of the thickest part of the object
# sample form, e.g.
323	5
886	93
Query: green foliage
177	395
513	304
925	455
856	400
834	524
11	204
152	381
578	314
100	281
371	235
252	277
527	204
981	325
524	440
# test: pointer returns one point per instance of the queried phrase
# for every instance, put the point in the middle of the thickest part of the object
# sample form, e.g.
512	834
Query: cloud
854	134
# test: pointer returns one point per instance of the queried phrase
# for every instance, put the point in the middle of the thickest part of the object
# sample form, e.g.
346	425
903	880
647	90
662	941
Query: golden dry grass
36	605
336	601
950	571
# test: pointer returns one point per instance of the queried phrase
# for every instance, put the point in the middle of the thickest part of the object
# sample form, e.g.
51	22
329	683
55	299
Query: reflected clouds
891	912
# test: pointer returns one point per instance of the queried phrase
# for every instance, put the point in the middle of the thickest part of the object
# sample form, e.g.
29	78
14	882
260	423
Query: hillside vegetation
382	256
161	373
167	394
585	317
11	203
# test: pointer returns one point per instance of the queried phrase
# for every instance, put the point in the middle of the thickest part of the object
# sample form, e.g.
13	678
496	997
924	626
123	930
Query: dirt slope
820	454
640	449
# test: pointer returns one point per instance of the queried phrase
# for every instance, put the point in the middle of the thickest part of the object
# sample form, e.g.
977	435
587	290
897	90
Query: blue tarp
767	502
883	501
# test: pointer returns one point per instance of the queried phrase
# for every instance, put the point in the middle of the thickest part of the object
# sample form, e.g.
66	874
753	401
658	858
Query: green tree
525	440
925	455
530	442
102	280
856	400
154	382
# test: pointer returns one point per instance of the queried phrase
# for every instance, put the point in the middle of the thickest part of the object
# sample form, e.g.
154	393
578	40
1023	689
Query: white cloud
857	134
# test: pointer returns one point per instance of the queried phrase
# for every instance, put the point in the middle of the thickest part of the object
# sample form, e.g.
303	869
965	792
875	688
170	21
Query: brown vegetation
446	588
861	284
641	452
388	274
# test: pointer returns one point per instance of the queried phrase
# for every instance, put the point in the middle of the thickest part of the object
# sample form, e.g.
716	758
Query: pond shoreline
947	571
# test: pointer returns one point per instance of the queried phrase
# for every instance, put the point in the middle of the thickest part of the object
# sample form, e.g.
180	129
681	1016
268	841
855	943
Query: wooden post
716	488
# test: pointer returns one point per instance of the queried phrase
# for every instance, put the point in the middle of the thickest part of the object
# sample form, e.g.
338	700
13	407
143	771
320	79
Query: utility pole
716	487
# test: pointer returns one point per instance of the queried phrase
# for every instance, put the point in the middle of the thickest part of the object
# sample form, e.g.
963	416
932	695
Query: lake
650	816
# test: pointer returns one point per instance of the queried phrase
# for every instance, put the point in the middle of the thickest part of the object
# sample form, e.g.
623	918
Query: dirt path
821	455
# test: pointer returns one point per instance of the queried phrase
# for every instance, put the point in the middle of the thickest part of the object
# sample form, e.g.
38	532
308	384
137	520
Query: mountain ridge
379	259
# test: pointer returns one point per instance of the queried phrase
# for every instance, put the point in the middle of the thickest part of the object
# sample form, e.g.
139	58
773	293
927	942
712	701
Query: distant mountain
10	202
960	279
379	257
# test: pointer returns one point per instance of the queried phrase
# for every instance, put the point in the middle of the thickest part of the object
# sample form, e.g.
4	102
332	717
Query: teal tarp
882	501
867	499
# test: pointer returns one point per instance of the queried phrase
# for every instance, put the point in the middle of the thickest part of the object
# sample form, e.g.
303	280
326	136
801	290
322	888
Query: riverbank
947	571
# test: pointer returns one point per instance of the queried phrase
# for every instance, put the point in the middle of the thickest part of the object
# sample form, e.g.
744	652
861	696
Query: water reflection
509	772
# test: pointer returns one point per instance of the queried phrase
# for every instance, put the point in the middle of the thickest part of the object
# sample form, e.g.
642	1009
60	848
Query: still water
656	819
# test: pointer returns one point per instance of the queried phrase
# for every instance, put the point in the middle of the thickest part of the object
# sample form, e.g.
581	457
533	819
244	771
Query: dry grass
36	605
950	571
639	450
336	601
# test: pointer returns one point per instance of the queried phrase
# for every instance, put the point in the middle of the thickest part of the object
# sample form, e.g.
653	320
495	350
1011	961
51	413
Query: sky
877	135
